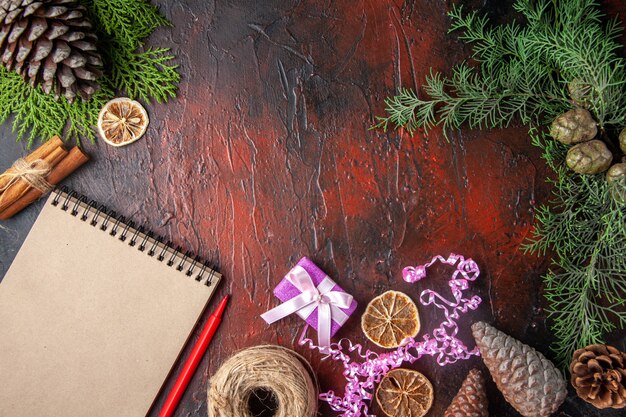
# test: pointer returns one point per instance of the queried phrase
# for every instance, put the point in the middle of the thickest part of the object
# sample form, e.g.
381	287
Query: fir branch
519	91
158	78
127	21
522	72
121	26
587	52
585	224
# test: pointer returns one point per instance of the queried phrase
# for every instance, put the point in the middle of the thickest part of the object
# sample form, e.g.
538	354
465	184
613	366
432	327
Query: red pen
194	359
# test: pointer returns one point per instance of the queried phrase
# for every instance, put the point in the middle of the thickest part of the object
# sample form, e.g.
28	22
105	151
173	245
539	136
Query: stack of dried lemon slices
389	321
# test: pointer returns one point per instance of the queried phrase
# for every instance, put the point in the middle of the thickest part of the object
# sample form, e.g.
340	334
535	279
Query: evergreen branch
524	72
492	47
158	76
127	21
585	224
479	102
584	302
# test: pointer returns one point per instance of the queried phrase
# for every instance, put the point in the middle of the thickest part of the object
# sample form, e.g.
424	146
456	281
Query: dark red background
267	156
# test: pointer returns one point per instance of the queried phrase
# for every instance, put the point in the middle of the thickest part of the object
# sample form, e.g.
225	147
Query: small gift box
307	291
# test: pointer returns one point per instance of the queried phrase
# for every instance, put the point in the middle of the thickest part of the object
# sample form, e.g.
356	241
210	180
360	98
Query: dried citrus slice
122	121
390	318
404	393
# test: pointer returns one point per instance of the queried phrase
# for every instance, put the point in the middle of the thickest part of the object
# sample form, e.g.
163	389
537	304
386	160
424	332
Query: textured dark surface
267	156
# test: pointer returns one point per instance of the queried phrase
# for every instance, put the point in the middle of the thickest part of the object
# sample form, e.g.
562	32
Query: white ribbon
328	303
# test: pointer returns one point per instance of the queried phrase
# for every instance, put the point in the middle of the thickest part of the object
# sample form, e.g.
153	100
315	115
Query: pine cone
590	157
50	43
580	92
471	400
599	376
528	381
622	140
617	174
575	126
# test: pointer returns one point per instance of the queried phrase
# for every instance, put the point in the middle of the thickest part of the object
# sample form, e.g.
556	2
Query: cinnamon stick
40	153
17	190
74	160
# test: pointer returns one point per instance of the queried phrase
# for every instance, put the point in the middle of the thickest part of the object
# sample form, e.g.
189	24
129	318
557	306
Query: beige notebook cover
92	320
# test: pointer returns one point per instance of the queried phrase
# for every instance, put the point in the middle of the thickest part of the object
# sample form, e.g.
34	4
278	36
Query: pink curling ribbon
365	372
327	302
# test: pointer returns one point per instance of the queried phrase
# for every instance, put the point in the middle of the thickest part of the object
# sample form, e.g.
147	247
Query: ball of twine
275	371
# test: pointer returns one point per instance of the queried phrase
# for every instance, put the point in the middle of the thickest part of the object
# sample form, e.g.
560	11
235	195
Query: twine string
33	173
279	373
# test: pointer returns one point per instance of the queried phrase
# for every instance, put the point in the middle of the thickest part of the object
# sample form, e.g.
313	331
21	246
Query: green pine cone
590	157
575	126
616	178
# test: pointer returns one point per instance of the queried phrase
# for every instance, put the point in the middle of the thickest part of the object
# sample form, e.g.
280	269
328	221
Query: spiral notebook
93	314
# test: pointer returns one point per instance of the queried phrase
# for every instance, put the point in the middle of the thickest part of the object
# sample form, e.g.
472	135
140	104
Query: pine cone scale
67	78
4	31
49	70
53	11
7	57
24	49
61	51
17	30
73	36
31	8
42	50
56	31
10	17
84	45
74	14
32	72
95	60
37	28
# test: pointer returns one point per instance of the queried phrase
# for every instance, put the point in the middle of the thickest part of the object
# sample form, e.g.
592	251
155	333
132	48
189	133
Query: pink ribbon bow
328	303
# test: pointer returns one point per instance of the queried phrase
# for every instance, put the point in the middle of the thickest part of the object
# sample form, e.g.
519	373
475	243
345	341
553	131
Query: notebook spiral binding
117	227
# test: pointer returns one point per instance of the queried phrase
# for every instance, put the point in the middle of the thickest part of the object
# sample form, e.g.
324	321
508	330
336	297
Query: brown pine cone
622	140
599	376
471	400
575	126
50	43
527	380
